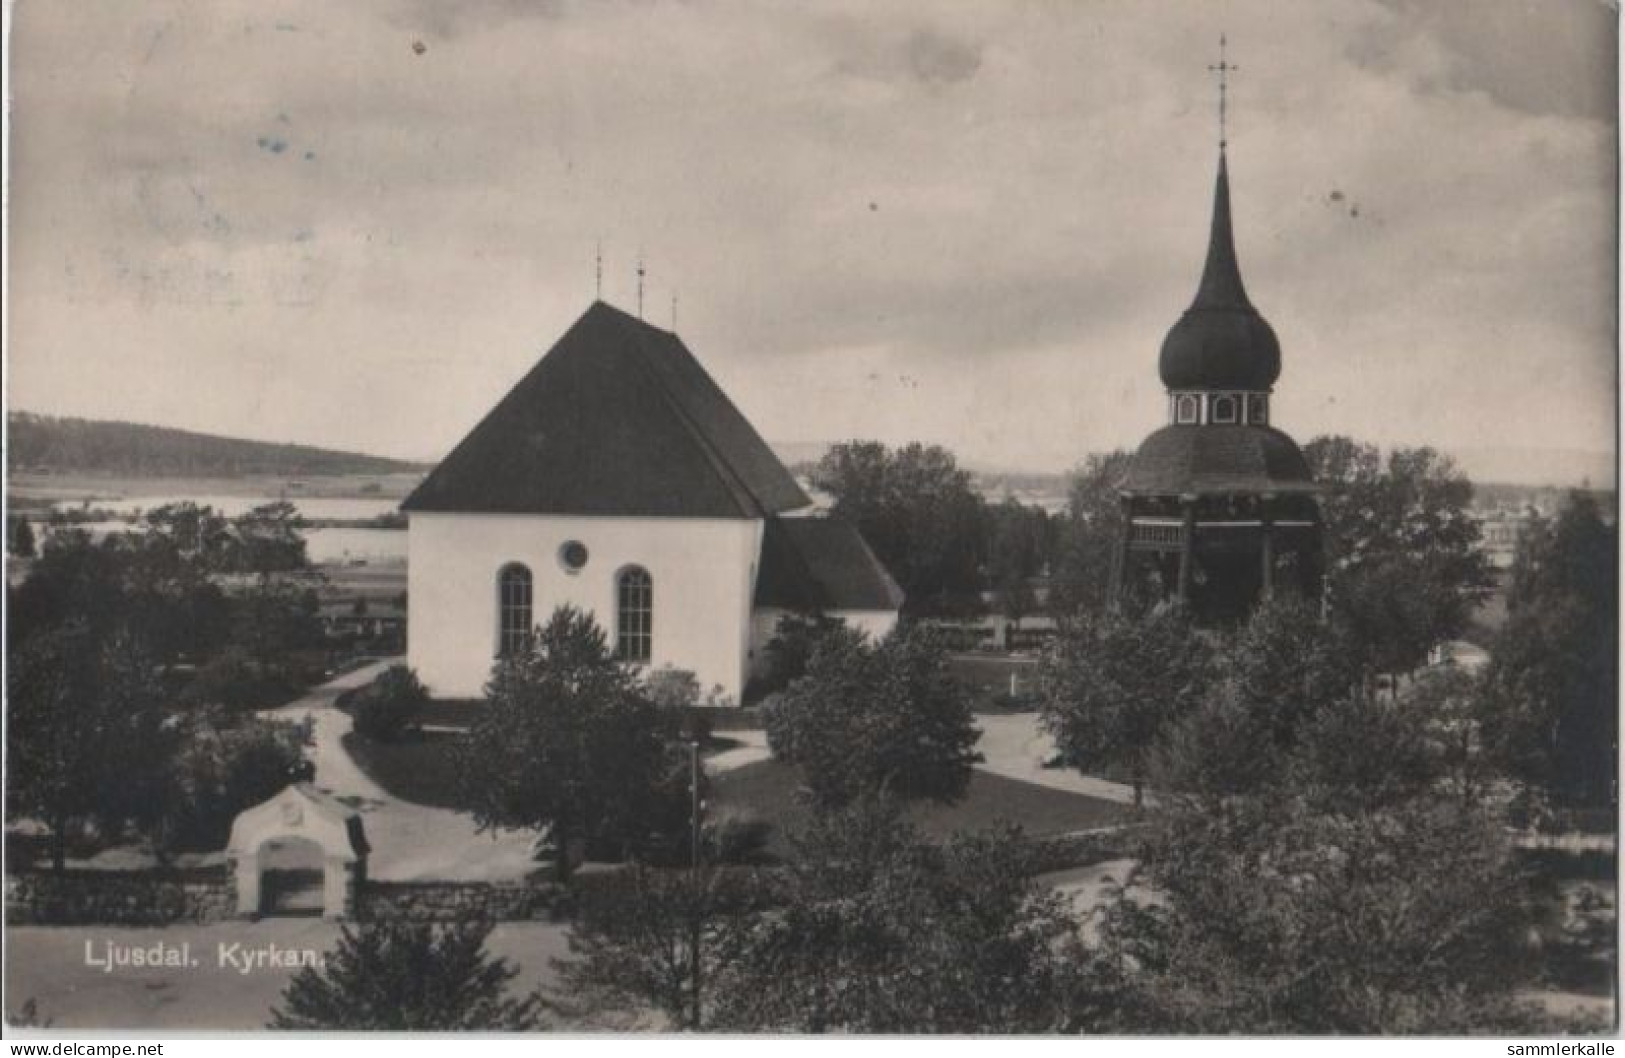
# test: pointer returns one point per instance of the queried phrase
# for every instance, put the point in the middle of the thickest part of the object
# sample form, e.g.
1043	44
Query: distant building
1500	532
1219	505
618	478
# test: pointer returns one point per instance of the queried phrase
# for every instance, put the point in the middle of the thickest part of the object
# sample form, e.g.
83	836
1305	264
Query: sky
356	225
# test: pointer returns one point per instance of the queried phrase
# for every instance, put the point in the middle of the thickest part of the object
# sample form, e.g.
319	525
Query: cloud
1555	58
1005	202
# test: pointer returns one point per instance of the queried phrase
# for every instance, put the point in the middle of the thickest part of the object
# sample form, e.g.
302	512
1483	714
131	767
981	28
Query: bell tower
1218	504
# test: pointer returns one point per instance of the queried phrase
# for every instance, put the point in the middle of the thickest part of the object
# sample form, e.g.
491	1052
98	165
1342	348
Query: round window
573	555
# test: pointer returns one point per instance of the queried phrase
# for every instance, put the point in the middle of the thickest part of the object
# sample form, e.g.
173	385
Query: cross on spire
1223	68
598	277
640	284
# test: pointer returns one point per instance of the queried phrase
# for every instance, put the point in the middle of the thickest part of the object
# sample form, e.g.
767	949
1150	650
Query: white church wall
876	623
703	573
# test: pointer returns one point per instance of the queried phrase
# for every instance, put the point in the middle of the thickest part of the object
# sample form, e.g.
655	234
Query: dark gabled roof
1221	342
618	418
820	565
1210	460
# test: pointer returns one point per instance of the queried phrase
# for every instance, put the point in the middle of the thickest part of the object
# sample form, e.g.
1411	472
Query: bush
786	655
386	707
235	680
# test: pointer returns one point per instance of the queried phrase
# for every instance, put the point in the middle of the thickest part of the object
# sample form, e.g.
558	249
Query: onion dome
1221	342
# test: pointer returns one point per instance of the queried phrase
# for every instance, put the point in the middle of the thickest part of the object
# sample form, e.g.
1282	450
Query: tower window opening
1258	409
1186	410
1224	409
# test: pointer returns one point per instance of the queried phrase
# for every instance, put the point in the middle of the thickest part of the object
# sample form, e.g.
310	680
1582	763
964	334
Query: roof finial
598	276
640	284
674	312
1223	68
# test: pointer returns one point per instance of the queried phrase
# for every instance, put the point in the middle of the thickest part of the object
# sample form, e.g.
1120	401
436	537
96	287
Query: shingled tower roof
618	418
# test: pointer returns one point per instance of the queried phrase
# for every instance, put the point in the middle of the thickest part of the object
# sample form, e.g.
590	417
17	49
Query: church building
618	478
1218	505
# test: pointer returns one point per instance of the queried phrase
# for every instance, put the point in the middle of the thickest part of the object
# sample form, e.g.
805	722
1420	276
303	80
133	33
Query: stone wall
461	901
119	898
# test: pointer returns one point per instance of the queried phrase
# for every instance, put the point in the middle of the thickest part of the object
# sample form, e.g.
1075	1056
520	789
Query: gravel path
1016	746
410	842
416	843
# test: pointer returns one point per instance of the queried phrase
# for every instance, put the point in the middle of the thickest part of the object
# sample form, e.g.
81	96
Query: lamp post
696	927
694	807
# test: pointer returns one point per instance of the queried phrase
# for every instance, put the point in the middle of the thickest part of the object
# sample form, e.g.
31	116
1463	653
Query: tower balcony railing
1156	534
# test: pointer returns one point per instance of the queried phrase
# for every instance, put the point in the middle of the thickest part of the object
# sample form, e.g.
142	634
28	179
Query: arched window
1224	409
514	621
1186	409
634	612
1258	409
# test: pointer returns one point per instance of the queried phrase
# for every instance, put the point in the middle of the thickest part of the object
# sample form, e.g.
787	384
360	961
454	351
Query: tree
918	511
75	579
1401	547
1112	684
226	761
267	540
155	585
568	742
407	977
274	622
277	616
1088	537
1342	877
1284	662
1458	709
876	930
1275	916
646	935
22	539
193	533
1554	663
876	716
86	738
1018	551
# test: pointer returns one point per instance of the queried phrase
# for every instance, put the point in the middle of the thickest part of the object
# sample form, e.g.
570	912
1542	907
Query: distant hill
47	443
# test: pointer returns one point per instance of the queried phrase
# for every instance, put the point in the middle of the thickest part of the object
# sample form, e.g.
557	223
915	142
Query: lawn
766	790
420	768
